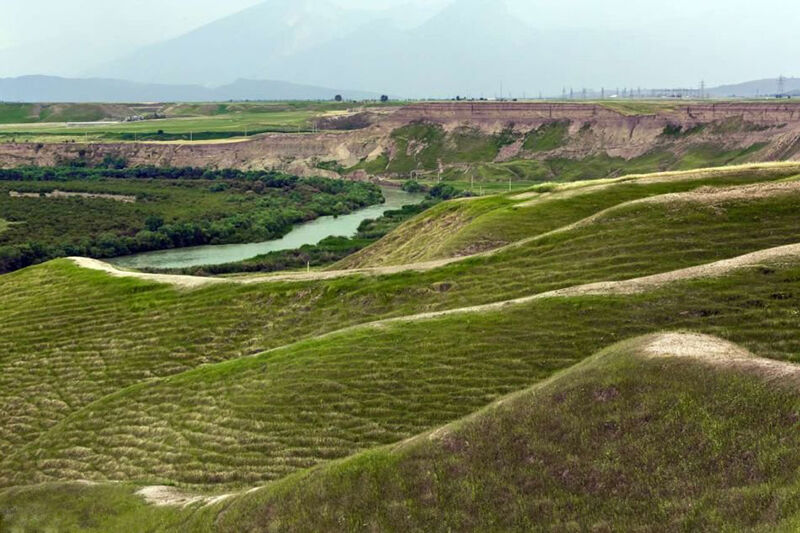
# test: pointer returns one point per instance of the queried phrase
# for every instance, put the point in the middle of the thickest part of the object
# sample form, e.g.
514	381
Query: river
308	233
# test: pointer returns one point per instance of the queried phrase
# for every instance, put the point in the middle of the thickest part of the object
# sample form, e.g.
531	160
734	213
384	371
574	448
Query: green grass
467	145
200	128
418	146
483	175
619	443
265	417
710	155
425	147
634	108
159	337
204	121
120	379
500	462
547	137
458	228
16	113
69	507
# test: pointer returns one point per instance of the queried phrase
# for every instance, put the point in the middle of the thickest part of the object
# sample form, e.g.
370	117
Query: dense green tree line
113	167
173	208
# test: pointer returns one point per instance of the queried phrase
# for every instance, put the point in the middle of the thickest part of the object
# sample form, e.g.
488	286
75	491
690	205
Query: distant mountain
316	43
243	45
455	51
469	48
751	89
55	89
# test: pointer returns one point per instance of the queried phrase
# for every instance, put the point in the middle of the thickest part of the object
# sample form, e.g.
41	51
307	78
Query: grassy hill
312	386
585	450
469	226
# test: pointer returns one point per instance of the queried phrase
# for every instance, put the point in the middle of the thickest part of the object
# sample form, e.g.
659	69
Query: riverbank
307	234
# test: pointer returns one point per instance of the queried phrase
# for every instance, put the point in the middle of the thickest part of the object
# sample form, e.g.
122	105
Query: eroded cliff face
591	130
594	128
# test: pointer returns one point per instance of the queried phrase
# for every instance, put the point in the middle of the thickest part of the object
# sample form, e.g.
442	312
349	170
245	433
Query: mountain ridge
40	88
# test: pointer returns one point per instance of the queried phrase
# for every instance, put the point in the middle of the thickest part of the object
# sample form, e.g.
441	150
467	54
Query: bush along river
309	233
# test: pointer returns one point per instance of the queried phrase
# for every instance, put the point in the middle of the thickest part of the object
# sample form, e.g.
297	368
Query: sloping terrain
311	385
661	433
474	225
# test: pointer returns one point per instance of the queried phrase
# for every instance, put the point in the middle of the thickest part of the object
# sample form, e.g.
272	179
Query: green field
181	128
212	121
348	406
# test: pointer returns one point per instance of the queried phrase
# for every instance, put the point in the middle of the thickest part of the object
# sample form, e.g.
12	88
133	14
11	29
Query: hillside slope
466	227
106	334
581	450
264	417
298	383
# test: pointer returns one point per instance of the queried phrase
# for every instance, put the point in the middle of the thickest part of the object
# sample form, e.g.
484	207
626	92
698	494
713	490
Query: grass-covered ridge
579	450
326	398
133	330
624	441
233	385
469	226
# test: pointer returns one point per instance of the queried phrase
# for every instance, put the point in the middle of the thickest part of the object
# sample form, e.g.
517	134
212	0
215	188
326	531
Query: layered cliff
508	130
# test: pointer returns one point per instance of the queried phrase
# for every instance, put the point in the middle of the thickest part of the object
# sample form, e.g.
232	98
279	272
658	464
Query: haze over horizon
403	47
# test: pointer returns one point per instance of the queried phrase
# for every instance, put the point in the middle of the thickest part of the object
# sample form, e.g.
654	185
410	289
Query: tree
154	222
338	98
384	98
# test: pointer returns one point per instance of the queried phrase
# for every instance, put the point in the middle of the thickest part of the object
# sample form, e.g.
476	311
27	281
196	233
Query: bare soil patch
720	353
64	194
162	496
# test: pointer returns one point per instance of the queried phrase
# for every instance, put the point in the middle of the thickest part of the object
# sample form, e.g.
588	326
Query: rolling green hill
469	226
358	399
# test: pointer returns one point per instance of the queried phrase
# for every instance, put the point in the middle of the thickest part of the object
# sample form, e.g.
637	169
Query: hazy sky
71	37
127	21
137	21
